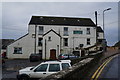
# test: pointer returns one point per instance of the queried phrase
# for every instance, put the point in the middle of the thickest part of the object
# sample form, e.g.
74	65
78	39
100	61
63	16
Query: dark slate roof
99	29
68	21
5	42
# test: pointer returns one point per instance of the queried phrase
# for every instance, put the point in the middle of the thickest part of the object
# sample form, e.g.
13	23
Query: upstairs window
17	50
49	38
65	41
40	30
88	31
77	32
65	31
40	40
88	41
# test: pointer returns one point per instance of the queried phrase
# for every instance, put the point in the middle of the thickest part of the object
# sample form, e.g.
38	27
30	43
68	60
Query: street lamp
103	21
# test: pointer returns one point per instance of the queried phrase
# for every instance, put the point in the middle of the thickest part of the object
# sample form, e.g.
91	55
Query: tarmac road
109	70
112	68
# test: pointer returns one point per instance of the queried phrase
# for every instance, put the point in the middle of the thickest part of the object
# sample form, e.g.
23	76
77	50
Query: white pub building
50	36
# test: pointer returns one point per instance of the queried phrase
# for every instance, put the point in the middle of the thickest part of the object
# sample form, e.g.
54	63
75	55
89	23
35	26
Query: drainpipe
73	43
57	51
45	49
35	39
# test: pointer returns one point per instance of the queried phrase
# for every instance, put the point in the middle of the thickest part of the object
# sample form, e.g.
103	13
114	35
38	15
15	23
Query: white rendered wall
27	44
55	41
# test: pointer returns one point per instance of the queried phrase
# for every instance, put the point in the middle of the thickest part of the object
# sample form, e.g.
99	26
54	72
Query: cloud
16	15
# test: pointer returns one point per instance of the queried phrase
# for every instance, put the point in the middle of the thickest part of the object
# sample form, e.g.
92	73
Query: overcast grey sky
16	15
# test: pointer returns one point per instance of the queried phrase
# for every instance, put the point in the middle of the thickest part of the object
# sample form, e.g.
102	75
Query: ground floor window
88	41
40	40
65	41
17	50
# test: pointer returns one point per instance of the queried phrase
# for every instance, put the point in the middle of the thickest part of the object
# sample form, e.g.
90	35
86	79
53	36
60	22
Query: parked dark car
67	56
35	57
76	53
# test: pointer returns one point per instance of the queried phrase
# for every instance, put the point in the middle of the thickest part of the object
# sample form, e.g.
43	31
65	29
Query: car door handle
44	73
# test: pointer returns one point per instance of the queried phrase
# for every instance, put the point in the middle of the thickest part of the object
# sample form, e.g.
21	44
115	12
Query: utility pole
96	28
96	17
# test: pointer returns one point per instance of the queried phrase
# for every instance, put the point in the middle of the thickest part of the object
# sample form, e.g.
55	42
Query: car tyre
24	77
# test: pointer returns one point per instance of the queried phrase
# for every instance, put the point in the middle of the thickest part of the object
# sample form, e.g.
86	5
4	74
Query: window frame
65	43
65	31
40	30
49	38
18	50
88	31
77	32
88	41
40	42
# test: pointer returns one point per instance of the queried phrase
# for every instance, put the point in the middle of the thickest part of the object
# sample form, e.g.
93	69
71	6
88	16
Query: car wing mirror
31	68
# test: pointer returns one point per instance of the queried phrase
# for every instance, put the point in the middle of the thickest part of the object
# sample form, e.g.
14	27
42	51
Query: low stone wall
78	71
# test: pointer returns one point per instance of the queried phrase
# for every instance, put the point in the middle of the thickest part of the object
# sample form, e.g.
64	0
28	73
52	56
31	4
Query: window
81	45
77	32
40	41
65	31
99	40
41	68
88	31
41	30
54	67
65	65
49	38
40	52
65	42
98	35
88	41
17	50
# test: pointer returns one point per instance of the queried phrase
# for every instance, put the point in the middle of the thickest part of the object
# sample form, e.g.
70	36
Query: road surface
109	70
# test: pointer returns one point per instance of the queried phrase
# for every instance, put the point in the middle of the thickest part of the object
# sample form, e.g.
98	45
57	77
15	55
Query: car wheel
24	77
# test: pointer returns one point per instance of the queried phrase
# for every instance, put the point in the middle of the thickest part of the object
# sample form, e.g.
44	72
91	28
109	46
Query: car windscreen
65	65
54	67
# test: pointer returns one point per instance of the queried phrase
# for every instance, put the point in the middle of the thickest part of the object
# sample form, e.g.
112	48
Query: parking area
11	67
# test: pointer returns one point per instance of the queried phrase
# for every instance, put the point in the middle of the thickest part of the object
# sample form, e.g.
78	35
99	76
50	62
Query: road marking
99	69
103	68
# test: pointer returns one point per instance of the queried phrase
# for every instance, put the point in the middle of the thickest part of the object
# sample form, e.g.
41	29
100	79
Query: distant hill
117	44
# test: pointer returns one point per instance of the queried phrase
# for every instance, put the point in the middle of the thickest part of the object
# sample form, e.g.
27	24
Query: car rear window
54	68
65	65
